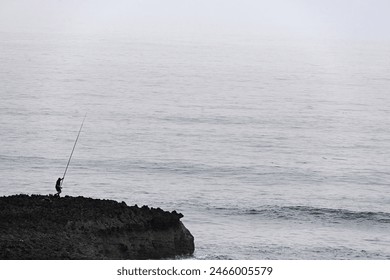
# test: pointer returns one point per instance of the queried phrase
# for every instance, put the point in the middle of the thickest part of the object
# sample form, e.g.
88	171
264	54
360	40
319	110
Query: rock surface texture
49	227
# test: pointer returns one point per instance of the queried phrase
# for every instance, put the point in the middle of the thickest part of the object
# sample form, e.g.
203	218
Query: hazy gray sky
362	19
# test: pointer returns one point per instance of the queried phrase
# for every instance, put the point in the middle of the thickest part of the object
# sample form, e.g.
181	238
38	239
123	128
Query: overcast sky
361	19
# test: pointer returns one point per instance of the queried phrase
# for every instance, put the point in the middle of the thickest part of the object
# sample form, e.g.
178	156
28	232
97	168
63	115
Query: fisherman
59	180
58	186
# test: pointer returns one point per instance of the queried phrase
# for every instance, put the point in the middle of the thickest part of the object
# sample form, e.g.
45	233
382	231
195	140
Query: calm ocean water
271	149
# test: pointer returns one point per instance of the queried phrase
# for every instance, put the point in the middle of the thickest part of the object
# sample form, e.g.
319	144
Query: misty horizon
357	20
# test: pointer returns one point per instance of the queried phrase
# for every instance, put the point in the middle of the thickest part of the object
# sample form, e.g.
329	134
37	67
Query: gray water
272	149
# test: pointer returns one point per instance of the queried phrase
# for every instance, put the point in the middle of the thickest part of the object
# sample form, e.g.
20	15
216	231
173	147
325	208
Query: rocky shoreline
48	227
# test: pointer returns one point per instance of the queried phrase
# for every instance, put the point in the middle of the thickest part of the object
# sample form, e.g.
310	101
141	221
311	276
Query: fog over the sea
355	19
265	122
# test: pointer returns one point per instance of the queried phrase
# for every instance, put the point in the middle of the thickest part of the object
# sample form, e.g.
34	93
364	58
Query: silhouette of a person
58	186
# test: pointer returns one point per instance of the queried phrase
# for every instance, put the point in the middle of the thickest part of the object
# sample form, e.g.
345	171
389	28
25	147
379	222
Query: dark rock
49	227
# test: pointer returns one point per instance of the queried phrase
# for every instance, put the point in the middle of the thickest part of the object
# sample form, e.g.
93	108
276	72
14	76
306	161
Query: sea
271	148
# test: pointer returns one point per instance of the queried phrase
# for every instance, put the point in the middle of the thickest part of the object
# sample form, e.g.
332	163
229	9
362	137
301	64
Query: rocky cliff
49	227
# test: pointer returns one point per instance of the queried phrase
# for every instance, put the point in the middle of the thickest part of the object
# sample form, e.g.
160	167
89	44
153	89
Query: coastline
49	227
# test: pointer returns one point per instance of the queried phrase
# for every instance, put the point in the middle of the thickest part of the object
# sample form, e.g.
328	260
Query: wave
308	213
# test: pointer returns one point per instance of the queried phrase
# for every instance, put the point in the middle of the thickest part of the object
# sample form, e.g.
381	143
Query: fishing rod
74	146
